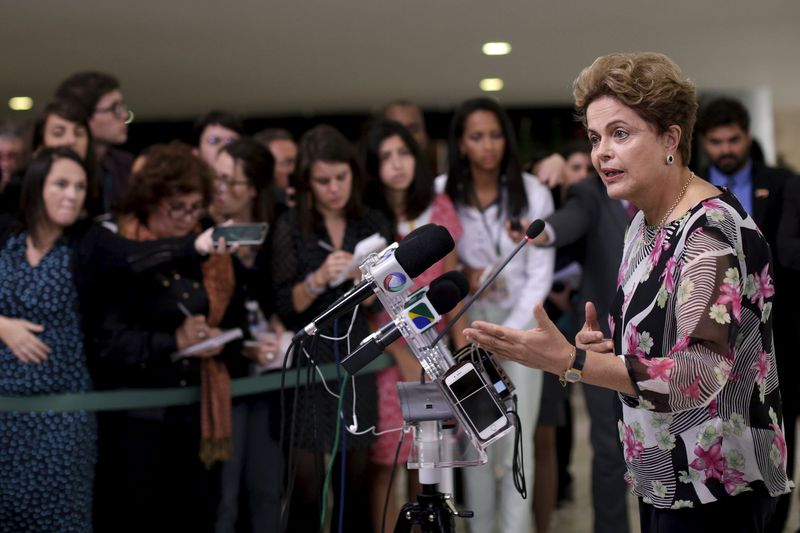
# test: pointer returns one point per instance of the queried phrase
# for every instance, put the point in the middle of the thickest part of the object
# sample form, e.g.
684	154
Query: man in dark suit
723	127
589	212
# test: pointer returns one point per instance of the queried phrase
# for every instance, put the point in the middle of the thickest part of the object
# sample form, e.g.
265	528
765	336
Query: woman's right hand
19	336
590	337
193	330
334	264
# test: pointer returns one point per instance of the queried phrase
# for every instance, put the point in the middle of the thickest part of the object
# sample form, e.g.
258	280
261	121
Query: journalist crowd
666	282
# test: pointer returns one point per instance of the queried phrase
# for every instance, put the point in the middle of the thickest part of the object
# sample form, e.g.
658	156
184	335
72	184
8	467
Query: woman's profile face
63	192
331	184
626	151
483	142
397	164
578	166
59	131
233	193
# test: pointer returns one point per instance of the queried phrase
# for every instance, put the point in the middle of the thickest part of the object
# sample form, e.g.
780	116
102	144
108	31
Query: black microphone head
444	296
456	277
416	255
536	227
418	232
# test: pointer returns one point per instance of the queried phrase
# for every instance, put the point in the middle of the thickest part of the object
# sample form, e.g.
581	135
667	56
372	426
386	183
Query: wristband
316	291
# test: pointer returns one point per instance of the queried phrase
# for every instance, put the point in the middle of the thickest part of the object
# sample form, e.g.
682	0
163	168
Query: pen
184	310
325	246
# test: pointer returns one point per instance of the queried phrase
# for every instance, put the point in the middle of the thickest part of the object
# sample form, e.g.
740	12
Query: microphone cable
518	464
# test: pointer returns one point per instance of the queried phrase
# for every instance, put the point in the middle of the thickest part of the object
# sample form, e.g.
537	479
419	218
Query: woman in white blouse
486	183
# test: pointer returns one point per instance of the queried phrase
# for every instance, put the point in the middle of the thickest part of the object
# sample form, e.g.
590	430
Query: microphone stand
434	511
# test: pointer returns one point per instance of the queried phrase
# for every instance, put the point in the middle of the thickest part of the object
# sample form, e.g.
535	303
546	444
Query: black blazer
589	212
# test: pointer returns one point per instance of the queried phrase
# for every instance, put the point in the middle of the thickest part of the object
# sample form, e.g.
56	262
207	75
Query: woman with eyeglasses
159	466
491	193
244	194
312	246
50	266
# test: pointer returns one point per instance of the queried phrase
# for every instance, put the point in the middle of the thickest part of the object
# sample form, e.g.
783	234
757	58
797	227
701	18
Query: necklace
663	221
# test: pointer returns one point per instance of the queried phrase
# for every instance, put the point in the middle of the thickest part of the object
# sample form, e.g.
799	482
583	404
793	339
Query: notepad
373	243
218	340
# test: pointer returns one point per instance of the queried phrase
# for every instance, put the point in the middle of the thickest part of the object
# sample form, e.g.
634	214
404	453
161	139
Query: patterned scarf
215	383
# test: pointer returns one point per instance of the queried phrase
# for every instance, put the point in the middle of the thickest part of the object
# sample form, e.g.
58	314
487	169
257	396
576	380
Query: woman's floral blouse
692	320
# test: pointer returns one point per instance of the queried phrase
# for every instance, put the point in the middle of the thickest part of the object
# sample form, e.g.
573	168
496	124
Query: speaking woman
691	351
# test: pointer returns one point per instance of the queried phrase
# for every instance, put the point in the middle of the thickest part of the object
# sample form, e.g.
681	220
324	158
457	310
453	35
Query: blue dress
46	459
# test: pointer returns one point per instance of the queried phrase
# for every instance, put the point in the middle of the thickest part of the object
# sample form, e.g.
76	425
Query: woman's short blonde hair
651	84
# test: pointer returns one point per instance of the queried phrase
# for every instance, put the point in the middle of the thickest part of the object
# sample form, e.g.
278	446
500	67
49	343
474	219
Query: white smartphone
474	399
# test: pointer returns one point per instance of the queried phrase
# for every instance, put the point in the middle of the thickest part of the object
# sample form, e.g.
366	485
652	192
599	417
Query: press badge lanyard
501	204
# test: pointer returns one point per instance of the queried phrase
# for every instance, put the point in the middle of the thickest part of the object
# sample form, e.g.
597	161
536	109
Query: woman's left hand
211	352
542	347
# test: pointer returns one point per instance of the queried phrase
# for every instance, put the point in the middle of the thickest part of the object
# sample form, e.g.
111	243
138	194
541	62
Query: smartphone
473	399
245	234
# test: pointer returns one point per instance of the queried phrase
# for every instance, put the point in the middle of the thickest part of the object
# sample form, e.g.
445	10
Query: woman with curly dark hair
159	466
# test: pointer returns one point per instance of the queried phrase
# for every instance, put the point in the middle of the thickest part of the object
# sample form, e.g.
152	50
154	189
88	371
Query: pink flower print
658	368
668	276
761	366
655	254
712	408
764	287
779	440
633	447
712	204
632	342
732	479
711	462
693	390
621	273
628	477
611	325
681	345
733	296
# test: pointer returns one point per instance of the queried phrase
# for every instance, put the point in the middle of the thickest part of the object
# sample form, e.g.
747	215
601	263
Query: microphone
533	231
411	257
422	311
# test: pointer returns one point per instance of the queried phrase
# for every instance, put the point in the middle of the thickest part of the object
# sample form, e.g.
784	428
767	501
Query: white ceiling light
20	103
491	84
496	48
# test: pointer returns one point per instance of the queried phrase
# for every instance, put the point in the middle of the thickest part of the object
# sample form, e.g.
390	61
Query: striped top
692	320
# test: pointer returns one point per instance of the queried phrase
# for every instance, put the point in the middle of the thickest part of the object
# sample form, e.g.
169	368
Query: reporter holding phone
489	190
244	194
156	465
311	245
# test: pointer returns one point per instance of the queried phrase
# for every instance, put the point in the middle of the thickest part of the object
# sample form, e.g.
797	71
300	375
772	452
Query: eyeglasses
215	140
179	211
120	109
228	181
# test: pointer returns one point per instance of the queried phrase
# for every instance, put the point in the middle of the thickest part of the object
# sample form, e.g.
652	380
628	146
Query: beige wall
787	136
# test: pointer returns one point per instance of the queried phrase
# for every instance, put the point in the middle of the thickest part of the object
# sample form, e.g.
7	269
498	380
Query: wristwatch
574	373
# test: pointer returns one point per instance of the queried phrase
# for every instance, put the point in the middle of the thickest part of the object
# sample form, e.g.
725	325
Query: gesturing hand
542	347
19	336
590	337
